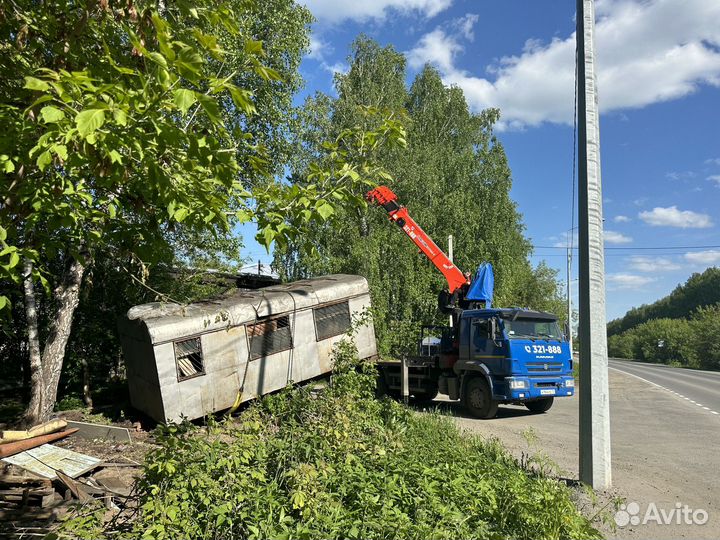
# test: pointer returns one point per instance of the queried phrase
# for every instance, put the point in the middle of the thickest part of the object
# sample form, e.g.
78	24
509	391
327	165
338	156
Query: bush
342	464
705	325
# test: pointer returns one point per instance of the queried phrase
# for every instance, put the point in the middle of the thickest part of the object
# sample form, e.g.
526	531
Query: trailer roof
168	321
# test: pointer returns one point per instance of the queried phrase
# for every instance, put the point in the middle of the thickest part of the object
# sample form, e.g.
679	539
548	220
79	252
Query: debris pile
40	482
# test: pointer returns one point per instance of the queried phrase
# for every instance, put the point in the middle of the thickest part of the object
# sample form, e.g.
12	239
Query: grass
339	464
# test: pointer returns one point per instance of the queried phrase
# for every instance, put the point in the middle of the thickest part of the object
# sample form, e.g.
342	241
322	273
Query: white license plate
547	392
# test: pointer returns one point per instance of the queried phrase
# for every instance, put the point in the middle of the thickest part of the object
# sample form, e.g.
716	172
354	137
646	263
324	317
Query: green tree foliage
338	464
453	177
129	124
701	289
686	322
705	328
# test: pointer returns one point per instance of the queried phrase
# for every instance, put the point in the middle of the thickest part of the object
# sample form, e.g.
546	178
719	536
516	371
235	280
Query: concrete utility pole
594	403
569	300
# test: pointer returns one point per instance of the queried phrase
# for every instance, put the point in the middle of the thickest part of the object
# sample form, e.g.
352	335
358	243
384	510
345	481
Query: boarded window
269	337
332	320
189	358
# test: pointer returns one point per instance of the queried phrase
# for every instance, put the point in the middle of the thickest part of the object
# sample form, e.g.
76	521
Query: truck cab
519	356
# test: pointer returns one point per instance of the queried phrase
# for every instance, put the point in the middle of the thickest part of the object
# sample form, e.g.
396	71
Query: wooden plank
76	489
100	431
46	459
17	480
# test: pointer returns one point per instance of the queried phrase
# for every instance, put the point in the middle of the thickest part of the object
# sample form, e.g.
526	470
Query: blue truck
488	356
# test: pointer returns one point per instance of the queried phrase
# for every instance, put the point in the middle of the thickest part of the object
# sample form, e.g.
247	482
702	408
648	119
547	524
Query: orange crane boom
384	196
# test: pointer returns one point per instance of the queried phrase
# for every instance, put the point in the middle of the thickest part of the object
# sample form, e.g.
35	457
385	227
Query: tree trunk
66	297
45	370
32	414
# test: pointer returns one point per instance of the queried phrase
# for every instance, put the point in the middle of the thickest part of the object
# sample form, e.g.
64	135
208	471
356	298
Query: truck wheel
478	400
540	405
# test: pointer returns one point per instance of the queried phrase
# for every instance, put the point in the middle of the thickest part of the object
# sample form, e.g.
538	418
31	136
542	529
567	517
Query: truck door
483	348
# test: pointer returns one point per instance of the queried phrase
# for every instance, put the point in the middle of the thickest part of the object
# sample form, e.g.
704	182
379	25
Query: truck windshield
534	329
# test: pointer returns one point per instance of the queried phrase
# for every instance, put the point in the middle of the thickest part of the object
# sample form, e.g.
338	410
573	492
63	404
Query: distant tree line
682	329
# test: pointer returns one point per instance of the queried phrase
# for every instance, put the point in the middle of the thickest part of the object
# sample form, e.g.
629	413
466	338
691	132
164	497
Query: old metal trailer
185	361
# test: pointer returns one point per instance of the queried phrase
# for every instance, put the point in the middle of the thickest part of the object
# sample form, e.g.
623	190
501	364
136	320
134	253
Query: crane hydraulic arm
385	197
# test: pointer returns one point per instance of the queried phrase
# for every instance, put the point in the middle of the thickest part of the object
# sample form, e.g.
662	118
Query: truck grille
544	367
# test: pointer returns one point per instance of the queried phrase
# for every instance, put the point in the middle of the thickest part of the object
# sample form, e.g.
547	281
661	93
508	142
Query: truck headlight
518	384
570	383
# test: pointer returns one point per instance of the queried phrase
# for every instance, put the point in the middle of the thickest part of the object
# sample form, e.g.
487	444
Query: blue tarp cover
482	285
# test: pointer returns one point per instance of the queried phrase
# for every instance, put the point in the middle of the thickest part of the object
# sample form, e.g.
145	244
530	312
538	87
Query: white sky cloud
627	281
435	48
708	257
614	237
712	161
647	52
318	48
672	217
715	178
465	25
652	264
683	175
334	11
621	219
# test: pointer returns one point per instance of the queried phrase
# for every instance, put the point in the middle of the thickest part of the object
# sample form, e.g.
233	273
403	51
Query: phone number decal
542	349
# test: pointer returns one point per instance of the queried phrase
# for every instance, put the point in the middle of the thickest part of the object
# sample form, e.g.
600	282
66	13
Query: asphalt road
700	388
664	447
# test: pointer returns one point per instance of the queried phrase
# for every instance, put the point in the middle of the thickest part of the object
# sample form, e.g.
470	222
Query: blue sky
659	95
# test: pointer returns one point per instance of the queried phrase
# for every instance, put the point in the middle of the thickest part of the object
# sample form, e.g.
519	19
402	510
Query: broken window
189	358
332	320
269	337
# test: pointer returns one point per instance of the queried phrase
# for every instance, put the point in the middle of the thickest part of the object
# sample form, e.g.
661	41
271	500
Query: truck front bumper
526	388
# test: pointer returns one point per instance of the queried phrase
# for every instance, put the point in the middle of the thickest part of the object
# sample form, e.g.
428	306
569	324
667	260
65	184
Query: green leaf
60	151
31	83
325	210
184	99
6	164
88	121
253	47
51	115
181	214
158	58
4	302
14	260
120	117
44	160
211	108
242	99
115	156
189	63
267	237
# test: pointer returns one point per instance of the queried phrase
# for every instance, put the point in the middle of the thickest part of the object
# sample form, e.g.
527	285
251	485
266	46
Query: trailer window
269	337
331	320
189	358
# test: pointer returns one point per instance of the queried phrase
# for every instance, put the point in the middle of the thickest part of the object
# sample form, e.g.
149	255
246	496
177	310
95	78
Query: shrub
705	325
341	464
